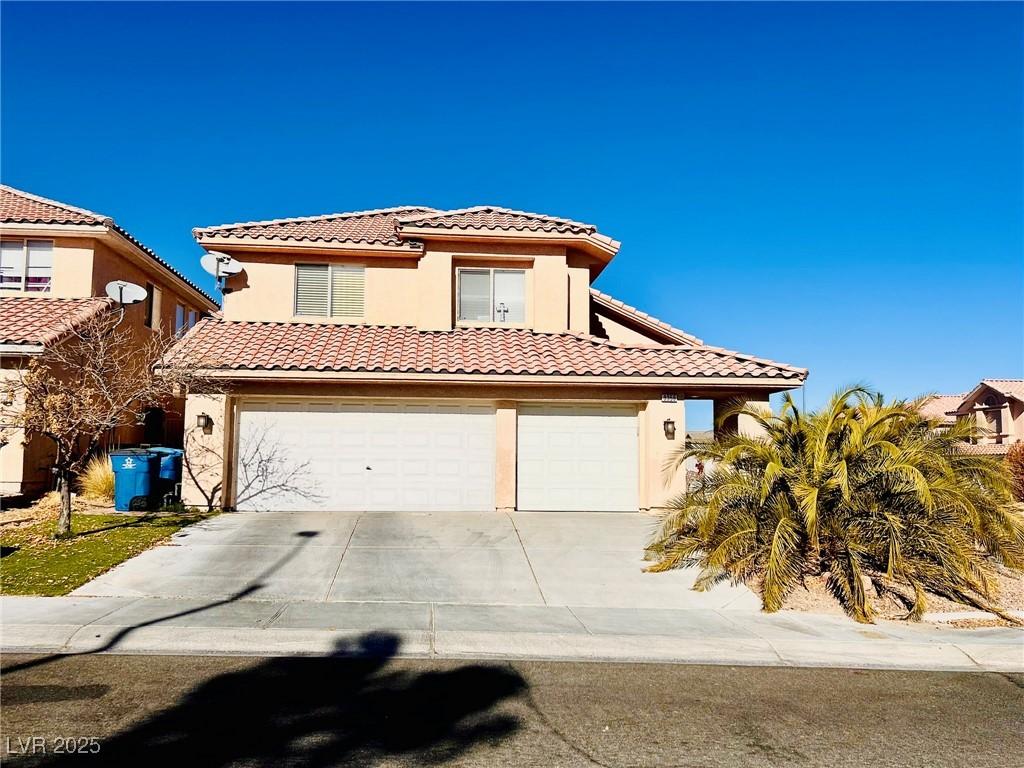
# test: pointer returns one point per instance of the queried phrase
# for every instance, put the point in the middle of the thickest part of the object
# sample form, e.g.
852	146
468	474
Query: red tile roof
490	217
987	449
641	317
376	227
939	407
1007	387
20	207
401	349
39	321
384	226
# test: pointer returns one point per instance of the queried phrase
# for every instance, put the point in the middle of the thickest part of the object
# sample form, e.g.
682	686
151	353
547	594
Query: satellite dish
125	293
220	265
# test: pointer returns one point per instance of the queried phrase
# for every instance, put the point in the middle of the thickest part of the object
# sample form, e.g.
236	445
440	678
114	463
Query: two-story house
417	359
996	406
55	263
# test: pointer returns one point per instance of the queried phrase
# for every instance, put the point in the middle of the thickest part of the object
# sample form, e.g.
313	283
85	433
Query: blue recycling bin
169	474
135	473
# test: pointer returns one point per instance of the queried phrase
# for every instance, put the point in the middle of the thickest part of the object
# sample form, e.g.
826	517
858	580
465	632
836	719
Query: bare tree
265	472
99	377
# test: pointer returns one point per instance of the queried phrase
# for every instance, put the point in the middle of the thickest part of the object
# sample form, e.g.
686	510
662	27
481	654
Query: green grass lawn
34	563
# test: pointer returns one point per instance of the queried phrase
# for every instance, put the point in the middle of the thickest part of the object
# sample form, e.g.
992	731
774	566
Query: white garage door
577	458
374	456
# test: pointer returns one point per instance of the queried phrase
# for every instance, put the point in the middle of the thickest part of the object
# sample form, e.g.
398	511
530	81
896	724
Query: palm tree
869	494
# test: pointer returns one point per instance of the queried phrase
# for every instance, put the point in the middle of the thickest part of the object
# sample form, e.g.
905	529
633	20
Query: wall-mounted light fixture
670	429
204	421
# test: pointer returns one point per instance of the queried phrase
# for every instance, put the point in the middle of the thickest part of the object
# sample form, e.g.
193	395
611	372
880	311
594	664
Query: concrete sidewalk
706	636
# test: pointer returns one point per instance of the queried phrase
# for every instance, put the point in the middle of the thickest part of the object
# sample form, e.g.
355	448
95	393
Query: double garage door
394	456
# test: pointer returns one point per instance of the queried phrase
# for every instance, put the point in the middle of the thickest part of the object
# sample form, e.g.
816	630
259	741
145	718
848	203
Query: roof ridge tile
317	217
497	209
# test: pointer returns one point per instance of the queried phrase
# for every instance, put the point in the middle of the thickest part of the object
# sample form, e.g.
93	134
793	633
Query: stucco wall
418	292
72	266
208	458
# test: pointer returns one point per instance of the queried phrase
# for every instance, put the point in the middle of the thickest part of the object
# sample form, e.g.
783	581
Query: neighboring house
55	262
416	359
996	406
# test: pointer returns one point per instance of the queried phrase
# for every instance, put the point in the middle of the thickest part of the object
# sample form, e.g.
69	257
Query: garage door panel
577	458
422	456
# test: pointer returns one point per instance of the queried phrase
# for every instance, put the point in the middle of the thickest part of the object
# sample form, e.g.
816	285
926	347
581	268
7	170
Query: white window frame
490	279
180	328
22	287
330	289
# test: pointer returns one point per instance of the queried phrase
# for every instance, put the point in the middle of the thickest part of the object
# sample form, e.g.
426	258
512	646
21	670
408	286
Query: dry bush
96	481
1015	463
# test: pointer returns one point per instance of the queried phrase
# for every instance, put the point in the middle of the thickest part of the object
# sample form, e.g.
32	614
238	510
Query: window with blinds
26	265
330	290
492	295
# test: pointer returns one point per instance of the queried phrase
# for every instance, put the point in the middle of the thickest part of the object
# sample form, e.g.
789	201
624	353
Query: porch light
204	421
670	429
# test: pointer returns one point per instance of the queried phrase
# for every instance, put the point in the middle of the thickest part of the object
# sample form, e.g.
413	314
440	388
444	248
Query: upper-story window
26	265
330	290
152	307
492	295
180	318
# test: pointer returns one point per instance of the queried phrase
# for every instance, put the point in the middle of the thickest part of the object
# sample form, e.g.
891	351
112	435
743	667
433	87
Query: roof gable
642	319
1009	388
1012	388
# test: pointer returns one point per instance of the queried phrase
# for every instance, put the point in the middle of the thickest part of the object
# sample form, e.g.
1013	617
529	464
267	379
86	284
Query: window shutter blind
40	265
475	295
510	290
347	291
311	289
12	263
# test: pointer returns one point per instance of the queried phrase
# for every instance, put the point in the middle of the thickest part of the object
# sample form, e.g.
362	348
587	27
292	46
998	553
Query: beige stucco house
417	359
995	405
55	262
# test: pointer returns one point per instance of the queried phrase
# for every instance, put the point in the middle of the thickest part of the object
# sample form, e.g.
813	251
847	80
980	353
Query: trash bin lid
161	451
131	452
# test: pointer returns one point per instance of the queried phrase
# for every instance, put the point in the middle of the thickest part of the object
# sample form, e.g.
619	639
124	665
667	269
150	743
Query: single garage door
577	458
374	456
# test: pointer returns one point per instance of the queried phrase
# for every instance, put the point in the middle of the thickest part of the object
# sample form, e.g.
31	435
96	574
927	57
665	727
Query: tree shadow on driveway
254	586
352	707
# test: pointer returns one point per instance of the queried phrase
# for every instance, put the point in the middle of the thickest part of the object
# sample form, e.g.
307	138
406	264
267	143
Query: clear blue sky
836	186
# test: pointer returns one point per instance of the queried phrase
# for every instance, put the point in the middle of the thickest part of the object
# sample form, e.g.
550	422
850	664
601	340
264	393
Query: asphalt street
376	710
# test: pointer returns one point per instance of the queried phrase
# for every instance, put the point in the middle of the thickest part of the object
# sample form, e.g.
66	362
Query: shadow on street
348	709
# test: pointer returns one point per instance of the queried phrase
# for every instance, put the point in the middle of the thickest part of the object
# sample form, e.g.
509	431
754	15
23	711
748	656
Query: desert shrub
96	481
1015	465
864	493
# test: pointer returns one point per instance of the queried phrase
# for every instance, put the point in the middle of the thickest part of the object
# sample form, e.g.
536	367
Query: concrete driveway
581	560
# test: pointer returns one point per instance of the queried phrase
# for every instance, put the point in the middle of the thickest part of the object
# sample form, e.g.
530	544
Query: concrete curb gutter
76	624
216	641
